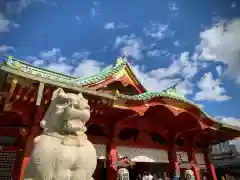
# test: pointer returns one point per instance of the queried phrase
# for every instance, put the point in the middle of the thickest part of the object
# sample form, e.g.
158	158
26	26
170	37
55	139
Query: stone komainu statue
62	151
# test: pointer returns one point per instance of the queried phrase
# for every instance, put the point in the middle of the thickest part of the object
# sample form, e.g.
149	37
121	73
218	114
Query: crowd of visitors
149	176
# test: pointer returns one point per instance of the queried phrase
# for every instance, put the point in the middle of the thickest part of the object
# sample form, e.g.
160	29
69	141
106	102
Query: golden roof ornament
120	60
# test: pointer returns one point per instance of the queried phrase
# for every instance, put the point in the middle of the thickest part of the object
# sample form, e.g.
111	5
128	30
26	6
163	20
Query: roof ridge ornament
172	90
121	60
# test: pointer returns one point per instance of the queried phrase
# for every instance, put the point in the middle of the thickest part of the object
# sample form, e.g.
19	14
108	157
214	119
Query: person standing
174	176
165	177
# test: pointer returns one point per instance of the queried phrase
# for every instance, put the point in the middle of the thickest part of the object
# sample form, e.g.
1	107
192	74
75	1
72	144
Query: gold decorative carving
17	97
8	104
23	132
105	101
7	107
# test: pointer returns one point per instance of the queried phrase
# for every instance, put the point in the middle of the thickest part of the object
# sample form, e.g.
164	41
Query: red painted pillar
193	163
111	160
35	131
173	159
210	166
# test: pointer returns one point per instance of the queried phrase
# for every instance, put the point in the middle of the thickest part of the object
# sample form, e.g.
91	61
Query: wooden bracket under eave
40	93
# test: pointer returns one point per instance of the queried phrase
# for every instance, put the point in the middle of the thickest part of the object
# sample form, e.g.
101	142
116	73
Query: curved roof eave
171	94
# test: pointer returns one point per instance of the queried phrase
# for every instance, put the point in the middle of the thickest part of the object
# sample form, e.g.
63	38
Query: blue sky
195	44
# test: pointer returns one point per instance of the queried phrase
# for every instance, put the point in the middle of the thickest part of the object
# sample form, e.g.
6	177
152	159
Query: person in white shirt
147	176
150	177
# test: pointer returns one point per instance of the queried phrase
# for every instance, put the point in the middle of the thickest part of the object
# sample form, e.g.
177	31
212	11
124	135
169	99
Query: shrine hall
151	131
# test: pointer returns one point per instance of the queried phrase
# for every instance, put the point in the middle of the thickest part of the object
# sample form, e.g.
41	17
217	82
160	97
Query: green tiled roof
170	93
108	72
28	68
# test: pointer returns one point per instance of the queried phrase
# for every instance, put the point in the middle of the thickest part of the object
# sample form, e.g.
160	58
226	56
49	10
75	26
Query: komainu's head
67	113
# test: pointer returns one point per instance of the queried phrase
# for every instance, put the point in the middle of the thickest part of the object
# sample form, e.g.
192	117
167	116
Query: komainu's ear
57	92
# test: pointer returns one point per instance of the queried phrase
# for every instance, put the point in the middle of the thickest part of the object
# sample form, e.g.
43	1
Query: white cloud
122	25
211	89
60	68
229	120
155	82
157	53
16	25
154	52
50	55
6	49
113	25
182	65
201	106
6	24
233	5
55	55
78	18
185	87
222	43
180	72
47	57
151	80
35	61
62	59
84	68
238	80
77	65
176	43
219	70
81	55
172	7
94	11
87	68
158	31
130	46
110	25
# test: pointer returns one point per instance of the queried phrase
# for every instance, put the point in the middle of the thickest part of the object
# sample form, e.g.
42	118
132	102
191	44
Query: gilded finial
10	58
120	60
